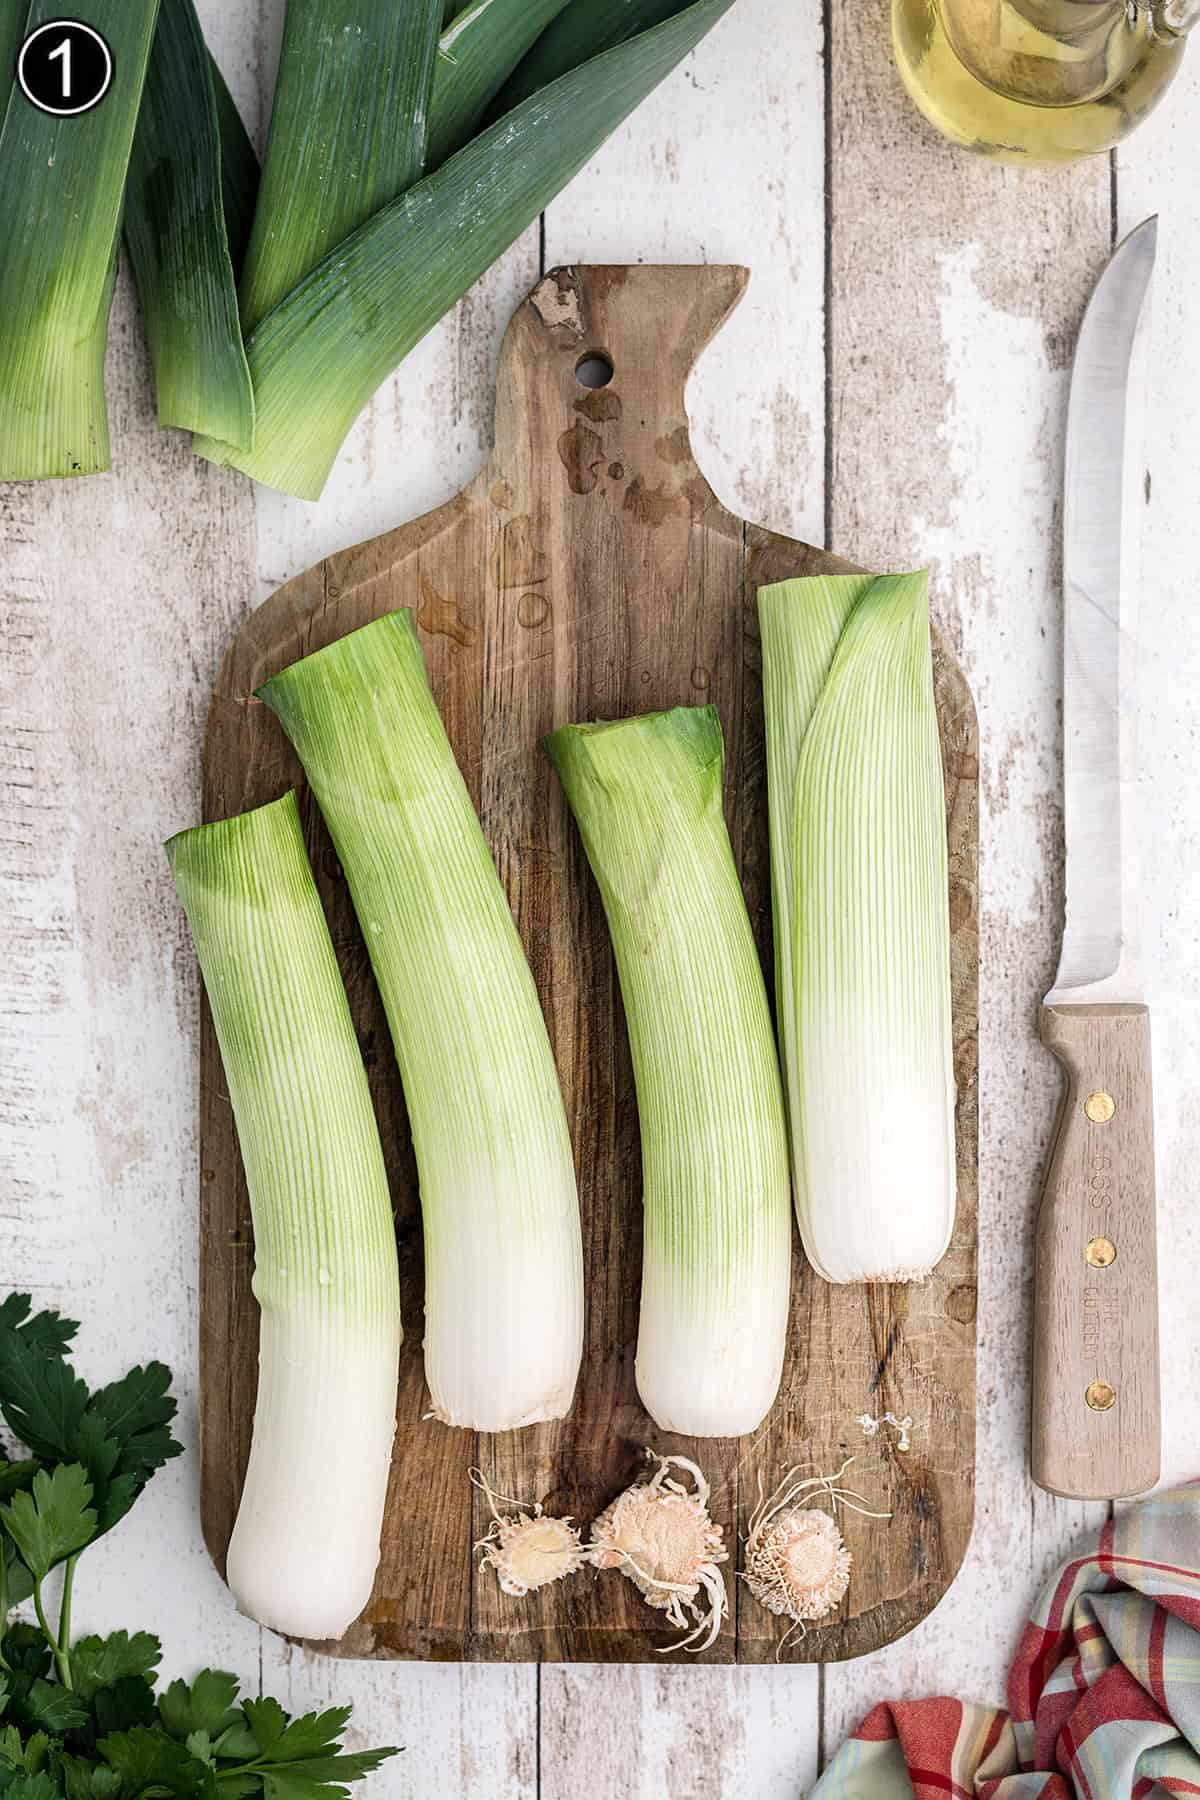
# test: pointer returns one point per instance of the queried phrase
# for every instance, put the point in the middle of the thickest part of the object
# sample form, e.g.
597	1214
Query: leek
582	29
319	356
348	130
306	1543
239	169
13	30
61	184
477	53
647	795
503	1259
862	934
175	230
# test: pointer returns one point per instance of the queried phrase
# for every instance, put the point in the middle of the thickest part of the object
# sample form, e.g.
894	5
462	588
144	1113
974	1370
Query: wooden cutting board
589	571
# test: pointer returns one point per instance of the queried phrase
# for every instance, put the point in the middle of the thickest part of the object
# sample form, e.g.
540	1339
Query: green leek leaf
477	53
61	187
175	230
318	358
240	173
348	131
14	15
583	30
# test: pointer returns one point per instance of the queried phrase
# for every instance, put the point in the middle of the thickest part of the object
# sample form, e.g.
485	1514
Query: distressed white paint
955	291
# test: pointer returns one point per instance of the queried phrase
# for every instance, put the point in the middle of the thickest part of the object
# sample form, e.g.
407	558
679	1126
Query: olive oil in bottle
1038	81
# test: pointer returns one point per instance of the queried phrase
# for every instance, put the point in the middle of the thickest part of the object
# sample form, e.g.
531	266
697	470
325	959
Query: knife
1095	1355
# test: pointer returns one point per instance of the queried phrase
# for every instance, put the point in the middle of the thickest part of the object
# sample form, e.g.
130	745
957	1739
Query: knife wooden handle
1095	1341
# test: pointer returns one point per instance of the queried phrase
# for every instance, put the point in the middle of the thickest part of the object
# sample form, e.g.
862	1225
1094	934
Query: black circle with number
65	67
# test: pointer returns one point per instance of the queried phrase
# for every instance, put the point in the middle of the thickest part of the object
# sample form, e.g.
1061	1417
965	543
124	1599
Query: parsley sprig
80	1719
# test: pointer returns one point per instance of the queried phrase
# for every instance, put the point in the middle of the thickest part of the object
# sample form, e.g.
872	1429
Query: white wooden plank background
954	291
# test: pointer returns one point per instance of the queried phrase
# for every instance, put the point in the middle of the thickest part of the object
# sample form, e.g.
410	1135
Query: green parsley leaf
17	1581
52	1709
96	1662
298	1758
33	1756
12	1751
284	1740
47	1331
41	1396
25	1651
238	1743
238	1784
54	1520
207	1705
136	1413
128	1702
200	1745
31	1787
119	1434
84	1780
148	1761
267	1720
321	1775
16	1477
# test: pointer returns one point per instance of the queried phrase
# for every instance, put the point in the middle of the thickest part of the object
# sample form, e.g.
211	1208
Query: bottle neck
1058	52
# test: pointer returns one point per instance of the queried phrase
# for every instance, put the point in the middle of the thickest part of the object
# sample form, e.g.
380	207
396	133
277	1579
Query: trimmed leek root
305	1546
796	1563
61	187
527	1549
859	878
647	795
659	1534
503	1258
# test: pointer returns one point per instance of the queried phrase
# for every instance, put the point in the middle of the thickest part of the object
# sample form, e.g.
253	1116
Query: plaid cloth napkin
1103	1698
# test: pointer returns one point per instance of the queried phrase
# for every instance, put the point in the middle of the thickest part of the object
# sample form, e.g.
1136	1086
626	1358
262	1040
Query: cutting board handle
650	324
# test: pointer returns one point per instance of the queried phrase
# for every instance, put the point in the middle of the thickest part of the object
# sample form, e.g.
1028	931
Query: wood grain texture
708	1733
1095	1325
590	572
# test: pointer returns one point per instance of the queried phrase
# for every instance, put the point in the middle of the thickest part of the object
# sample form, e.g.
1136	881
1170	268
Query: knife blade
1095	1375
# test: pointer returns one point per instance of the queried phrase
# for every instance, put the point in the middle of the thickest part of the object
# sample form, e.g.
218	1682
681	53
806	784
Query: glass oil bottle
1039	81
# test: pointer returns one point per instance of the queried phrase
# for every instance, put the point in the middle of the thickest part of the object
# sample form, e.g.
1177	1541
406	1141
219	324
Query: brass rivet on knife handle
1095	1370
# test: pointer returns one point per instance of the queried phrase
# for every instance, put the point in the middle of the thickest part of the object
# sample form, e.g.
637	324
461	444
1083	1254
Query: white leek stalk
304	1550
503	1256
647	795
862	934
